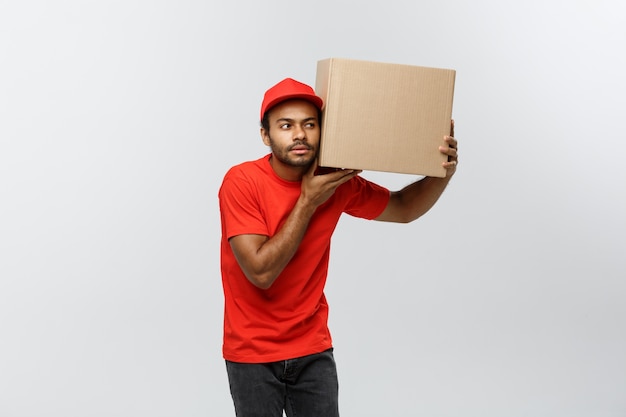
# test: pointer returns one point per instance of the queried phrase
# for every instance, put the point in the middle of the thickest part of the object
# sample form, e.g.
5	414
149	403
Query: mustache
301	144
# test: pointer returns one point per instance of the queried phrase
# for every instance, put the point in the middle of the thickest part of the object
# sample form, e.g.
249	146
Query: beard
285	157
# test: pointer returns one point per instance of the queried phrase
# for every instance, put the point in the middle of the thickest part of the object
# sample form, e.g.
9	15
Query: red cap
288	89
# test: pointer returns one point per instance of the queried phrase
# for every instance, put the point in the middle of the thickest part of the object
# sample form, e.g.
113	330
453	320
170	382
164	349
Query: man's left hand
450	149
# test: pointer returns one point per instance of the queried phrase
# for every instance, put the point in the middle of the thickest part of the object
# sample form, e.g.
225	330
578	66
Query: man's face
294	134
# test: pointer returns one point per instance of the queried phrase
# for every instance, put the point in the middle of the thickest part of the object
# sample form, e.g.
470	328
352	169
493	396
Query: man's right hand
316	189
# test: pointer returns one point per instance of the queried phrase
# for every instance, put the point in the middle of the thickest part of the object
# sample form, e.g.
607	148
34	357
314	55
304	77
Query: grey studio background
118	120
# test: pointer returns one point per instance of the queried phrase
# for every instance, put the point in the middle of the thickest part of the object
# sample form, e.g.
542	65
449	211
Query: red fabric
290	318
288	89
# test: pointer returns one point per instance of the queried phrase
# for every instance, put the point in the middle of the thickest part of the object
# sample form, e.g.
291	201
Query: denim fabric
302	387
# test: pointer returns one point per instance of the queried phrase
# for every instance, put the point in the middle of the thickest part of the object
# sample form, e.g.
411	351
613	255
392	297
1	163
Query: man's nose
298	133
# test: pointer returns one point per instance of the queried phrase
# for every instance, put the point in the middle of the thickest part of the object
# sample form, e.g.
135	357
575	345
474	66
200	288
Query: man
278	215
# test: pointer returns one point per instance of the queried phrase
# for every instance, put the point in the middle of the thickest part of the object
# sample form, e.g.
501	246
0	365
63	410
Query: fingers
451	150
330	176
343	175
318	188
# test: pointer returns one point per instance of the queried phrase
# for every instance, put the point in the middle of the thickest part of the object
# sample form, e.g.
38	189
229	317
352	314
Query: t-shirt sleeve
368	200
239	207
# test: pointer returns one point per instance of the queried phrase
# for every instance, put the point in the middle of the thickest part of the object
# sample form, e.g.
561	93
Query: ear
265	136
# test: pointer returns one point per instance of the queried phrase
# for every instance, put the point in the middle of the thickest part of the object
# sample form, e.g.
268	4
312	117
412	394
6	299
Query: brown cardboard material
384	117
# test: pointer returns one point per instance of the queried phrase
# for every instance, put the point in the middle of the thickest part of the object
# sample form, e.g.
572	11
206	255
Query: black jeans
302	387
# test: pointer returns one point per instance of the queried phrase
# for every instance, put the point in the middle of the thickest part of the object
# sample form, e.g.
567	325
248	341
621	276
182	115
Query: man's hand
450	149
316	189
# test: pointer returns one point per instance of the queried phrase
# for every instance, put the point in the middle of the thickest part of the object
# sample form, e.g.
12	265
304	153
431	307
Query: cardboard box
384	117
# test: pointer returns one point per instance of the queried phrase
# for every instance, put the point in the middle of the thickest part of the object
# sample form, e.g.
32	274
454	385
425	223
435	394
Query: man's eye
285	126
310	125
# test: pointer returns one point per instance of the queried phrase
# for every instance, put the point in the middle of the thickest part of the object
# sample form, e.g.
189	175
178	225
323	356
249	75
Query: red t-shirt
289	319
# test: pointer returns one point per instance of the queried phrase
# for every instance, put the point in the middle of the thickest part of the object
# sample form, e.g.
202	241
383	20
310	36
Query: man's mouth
300	149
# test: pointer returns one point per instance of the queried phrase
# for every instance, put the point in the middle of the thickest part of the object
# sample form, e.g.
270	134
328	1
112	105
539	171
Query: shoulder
248	169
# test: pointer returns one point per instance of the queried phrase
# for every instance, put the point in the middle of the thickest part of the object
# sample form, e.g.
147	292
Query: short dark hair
265	122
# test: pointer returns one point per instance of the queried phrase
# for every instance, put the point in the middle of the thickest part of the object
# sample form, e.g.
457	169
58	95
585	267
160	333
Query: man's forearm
414	200
422	195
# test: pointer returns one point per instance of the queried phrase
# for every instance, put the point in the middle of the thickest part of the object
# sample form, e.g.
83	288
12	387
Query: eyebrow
287	119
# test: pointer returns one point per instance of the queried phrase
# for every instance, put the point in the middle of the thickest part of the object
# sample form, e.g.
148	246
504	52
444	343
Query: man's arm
416	199
263	258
